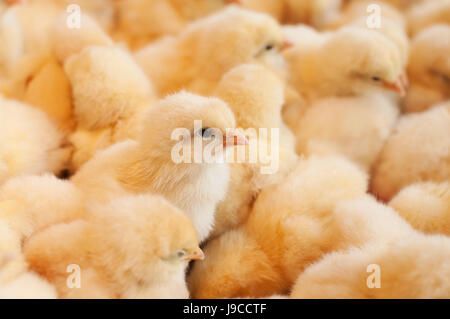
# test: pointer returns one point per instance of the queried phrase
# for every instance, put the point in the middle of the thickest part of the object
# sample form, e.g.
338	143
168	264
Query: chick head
188	118
429	63
145	236
363	60
254	94
231	37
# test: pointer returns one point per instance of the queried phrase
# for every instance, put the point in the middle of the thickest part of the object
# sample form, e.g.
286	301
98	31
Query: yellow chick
355	127
426	206
349	61
406	268
167	161
109	93
290	226
184	62
429	69
417	151
133	247
29	142
427	14
256	97
26	285
312	12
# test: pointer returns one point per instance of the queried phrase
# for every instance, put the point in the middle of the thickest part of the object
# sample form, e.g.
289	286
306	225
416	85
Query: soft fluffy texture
133	247
426	206
417	151
29	142
427	14
290	226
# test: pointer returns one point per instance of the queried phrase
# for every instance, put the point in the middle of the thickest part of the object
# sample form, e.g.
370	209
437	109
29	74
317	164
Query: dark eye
269	47
206	132
376	79
181	253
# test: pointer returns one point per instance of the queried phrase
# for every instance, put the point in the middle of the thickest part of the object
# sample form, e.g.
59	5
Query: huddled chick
133	247
290	226
196	60
417	151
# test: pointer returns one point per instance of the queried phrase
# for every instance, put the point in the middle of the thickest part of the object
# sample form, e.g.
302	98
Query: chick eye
205	132
181	253
269	47
376	79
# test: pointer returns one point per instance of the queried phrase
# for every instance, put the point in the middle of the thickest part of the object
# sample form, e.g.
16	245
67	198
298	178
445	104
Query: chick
350	61
29	142
184	62
355	127
290	226
107	104
154	164
256	97
417	151
407	267
133	247
429	69
26	285
312	12
426	206
427	14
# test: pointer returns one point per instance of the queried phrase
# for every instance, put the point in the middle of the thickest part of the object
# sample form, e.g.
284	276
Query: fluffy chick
290	226
109	93
312	12
152	163
428	13
133	247
348	61
29	142
185	61
355	127
417	151
255	96
426	206
407	267
429	69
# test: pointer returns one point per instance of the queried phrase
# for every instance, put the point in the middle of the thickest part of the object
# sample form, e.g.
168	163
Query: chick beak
233	138
234	1
196	255
286	45
399	86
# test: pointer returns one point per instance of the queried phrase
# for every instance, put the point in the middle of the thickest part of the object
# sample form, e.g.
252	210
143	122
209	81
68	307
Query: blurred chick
429	69
427	14
349	61
29	142
256	97
26	285
355	127
311	12
109	93
154	164
185	61
417	151
133	247
426	206
290	226
407	267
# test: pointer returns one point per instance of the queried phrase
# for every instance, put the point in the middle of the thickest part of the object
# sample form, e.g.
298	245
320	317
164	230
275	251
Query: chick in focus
133	247
290	226
417	151
185	61
164	159
426	206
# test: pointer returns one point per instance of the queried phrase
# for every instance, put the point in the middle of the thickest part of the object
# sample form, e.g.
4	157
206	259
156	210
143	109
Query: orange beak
196	255
399	86
233	138
286	45
234	1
